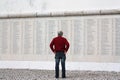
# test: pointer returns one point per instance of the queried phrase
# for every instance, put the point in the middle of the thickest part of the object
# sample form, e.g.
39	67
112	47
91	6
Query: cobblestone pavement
26	74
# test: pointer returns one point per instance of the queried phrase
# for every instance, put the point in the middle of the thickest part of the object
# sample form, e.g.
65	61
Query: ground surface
26	74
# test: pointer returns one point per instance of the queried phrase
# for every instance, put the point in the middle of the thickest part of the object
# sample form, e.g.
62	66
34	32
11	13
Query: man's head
60	33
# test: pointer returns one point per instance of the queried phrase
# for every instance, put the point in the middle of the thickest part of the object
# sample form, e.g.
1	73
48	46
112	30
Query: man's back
59	44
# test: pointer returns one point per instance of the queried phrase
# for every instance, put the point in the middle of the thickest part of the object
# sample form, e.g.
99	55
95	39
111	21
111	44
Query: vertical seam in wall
112	37
33	34
97	36
84	36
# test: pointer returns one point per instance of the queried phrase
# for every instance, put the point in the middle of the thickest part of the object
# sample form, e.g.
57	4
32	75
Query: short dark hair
60	33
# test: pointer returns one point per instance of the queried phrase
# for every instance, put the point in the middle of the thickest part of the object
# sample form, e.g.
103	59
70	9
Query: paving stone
26	74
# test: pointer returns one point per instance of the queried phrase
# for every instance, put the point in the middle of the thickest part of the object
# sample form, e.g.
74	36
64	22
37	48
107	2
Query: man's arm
66	46
52	45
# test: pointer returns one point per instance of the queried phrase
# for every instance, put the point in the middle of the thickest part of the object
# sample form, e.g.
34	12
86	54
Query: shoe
63	77
56	77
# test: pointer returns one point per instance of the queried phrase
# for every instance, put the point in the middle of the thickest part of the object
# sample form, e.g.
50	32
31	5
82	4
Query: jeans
60	56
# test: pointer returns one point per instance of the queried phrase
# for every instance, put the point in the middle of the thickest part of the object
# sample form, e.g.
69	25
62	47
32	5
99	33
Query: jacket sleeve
66	45
52	45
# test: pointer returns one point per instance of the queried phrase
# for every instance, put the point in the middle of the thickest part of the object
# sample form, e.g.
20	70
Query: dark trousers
60	56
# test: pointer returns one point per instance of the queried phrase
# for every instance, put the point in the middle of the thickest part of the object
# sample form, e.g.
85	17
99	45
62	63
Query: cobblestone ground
26	74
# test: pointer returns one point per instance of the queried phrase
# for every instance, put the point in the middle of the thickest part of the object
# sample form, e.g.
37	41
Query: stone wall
93	36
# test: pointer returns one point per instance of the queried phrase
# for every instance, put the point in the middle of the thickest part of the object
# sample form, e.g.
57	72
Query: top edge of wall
62	14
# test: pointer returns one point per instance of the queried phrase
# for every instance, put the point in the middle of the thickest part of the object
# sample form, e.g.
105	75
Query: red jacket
59	44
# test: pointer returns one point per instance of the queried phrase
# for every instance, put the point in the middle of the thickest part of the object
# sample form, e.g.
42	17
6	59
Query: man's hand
54	52
65	52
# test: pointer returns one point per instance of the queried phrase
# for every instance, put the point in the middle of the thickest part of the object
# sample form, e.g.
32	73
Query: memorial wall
92	38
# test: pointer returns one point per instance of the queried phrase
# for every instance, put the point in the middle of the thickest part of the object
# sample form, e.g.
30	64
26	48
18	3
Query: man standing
59	45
